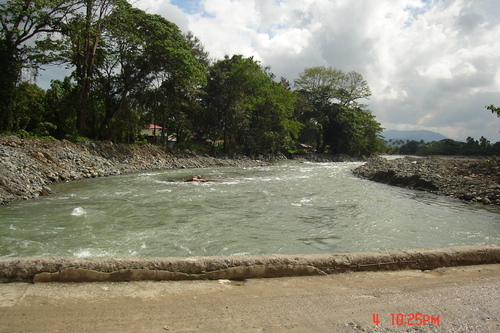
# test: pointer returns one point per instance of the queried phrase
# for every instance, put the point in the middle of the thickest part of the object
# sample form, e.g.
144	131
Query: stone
465	178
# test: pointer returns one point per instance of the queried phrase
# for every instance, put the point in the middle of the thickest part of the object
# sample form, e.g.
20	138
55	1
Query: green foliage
483	147
192	146
492	160
21	22
45	129
331	115
28	107
62	102
494	109
333	83
297	152
41	132
76	138
247	109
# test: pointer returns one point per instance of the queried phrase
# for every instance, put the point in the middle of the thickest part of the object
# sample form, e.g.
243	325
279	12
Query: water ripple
287	208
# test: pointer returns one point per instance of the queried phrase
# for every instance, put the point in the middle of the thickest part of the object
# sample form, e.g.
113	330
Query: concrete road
454	299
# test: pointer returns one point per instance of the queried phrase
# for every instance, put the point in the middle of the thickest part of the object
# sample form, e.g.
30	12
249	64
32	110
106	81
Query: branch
494	109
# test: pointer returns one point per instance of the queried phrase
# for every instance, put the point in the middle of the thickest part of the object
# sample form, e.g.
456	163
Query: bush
76	138
23	134
192	146
44	130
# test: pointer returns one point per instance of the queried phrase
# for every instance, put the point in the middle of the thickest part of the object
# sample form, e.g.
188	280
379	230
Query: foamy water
286	208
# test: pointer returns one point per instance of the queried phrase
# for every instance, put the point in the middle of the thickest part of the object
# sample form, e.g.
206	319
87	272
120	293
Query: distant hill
427	136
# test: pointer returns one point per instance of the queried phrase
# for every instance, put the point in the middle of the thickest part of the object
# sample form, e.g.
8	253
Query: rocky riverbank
471	179
29	166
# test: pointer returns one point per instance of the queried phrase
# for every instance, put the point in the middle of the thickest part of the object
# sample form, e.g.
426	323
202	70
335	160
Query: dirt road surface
453	299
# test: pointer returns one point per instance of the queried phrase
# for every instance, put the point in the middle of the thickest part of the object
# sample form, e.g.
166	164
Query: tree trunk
86	71
10	68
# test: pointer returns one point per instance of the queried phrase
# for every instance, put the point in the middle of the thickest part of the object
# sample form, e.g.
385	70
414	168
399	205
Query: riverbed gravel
475	179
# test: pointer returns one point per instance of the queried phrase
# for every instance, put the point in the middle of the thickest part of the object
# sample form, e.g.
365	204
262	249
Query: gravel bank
471	179
29	166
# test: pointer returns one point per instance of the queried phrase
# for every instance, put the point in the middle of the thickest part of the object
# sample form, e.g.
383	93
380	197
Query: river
287	208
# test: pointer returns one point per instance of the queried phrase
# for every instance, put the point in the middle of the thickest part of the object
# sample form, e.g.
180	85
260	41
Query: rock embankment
29	166
471	179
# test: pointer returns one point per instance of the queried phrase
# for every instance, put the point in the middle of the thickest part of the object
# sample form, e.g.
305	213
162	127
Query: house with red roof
151	130
153	133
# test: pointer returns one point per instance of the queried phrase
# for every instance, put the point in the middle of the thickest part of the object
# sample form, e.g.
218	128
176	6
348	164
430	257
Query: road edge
69	269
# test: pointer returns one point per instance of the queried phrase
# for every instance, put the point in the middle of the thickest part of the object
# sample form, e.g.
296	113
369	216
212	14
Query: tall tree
21	20
335	118
84	34
321	77
225	114
62	105
352	87
28	107
119	52
155	56
344	87
246	108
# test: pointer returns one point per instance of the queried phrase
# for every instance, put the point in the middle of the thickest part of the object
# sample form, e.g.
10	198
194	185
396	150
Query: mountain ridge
416	135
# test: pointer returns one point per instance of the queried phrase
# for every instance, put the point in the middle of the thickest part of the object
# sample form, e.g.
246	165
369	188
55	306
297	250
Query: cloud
447	63
165	8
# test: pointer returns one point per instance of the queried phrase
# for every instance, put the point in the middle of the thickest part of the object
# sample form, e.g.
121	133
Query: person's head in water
198	179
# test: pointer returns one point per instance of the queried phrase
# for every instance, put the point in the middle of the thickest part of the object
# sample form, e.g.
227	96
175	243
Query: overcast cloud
430	64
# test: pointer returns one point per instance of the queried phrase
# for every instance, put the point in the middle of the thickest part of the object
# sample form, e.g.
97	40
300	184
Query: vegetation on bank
130	68
471	147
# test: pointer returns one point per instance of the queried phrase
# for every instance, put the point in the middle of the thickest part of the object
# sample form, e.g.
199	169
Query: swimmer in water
198	179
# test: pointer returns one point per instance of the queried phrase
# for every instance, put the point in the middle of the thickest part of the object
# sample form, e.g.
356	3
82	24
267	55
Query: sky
430	64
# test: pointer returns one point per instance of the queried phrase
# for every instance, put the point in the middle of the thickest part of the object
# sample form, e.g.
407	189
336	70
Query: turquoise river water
286	208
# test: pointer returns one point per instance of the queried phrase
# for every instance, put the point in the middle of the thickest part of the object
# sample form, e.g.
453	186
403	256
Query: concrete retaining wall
65	269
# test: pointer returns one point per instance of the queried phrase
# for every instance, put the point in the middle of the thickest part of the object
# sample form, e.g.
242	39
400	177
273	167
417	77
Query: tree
21	21
171	67
62	100
409	148
225	113
83	34
272	125
119	52
352	88
28	107
314	78
246	108
493	109
344	87
366	138
335	118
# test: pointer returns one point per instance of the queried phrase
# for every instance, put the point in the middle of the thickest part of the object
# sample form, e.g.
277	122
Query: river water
287	208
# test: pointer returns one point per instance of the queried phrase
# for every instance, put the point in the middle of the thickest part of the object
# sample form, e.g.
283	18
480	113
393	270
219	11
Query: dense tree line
130	68
481	147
